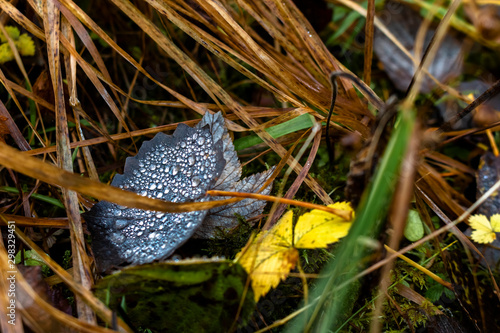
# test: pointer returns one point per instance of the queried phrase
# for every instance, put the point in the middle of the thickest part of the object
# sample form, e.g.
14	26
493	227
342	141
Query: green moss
228	243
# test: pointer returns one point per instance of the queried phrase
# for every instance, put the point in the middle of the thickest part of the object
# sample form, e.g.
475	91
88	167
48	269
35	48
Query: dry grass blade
100	309
278	210
13	129
85	19
210	86
263	65
459	24
22	221
5	83
51	174
414	88
218	48
342	213
141	132
423	269
81	261
369	32
378	23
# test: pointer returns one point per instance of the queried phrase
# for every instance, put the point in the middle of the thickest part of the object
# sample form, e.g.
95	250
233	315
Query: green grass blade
296	124
335	295
37	196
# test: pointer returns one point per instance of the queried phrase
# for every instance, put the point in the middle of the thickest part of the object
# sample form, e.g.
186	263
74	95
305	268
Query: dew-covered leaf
176	168
183	296
232	170
226	216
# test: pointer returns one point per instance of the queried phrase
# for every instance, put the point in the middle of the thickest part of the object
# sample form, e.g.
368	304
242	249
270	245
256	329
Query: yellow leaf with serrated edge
484	230
272	254
270	257
318	228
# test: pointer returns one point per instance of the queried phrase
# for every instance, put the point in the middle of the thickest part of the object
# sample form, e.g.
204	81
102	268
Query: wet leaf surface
177	168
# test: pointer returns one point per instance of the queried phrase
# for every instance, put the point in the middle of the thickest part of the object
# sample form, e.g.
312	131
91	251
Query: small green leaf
414	229
433	294
31	258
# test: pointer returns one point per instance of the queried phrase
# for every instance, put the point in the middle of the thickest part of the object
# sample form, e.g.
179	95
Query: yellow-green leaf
272	254
318	228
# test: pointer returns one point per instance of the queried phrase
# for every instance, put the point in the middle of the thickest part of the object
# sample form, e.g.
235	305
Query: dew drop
195	181
175	170
121	223
200	140
118	238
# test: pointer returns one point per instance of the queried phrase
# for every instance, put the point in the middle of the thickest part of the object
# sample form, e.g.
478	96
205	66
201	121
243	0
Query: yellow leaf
318	228
270	257
272	254
484	231
495	222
